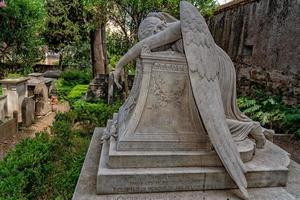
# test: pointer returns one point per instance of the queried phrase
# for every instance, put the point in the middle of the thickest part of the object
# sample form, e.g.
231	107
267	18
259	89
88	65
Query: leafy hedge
70	79
24	170
95	113
77	92
48	166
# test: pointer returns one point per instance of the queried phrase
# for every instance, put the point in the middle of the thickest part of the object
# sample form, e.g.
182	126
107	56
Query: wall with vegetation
262	38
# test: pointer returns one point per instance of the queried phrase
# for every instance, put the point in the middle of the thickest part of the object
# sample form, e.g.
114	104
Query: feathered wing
200	50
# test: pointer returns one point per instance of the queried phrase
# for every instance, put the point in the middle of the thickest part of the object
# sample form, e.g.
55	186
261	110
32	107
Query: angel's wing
200	50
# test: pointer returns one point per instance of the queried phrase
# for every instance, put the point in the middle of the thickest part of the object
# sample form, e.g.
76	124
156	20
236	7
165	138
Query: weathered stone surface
28	111
270	163
165	117
52	74
16	91
86	185
3	107
36	79
42	106
262	36
156	158
8	127
98	88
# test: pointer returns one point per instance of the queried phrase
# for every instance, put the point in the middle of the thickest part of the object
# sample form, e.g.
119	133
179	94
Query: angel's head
152	24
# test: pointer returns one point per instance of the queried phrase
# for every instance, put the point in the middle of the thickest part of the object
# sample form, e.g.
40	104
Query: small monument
42	105
16	91
180	129
28	111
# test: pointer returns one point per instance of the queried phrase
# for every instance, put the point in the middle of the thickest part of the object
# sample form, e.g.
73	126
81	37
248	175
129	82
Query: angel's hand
117	75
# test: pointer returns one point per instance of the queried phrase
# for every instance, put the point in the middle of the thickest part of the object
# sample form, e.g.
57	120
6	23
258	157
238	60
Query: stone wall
262	37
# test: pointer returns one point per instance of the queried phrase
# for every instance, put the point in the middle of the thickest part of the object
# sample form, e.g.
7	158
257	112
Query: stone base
175	158
86	185
268	168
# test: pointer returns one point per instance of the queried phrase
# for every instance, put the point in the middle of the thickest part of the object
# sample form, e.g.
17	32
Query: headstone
8	128
42	106
28	111
180	128
38	78
16	91
3	107
97	89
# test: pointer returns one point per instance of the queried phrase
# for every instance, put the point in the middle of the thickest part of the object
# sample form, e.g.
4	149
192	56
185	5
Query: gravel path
41	124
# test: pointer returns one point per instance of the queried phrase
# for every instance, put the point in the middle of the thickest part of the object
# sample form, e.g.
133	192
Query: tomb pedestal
16	91
156	143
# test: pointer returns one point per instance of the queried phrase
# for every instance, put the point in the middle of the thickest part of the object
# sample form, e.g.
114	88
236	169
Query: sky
223	1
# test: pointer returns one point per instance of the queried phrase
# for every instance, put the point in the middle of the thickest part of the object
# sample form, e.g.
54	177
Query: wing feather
200	50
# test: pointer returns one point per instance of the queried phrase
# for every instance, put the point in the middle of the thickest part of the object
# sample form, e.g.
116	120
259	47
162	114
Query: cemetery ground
41	124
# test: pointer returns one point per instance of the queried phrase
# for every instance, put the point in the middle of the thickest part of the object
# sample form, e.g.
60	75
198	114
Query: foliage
77	55
13	75
95	113
70	79
74	77
65	23
77	92
67	32
272	113
24	169
62	89
1	92
21	23
116	45
128	14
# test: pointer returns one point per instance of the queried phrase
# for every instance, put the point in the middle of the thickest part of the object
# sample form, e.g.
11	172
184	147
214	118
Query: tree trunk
98	50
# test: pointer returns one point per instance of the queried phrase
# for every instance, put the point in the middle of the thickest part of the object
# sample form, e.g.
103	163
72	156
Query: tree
96	16
128	14
65	26
21	23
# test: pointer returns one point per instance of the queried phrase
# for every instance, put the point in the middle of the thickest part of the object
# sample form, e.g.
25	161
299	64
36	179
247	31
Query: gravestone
16	91
98	88
38	78
42	106
180	128
3	107
28	111
9	126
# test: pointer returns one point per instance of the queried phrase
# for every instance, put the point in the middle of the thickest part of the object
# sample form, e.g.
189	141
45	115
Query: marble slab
86	185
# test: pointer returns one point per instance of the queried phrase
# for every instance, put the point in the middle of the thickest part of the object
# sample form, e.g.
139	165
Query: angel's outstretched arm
169	35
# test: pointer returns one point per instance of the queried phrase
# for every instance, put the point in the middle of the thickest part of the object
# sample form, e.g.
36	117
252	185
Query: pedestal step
150	159
267	169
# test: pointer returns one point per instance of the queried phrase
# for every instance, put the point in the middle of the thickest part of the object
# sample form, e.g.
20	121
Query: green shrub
61	128
24	169
74	77
96	113
45	167
62	89
13	75
77	92
69	79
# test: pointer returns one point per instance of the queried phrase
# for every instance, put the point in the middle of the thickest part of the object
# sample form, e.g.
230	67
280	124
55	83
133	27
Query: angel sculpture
213	81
